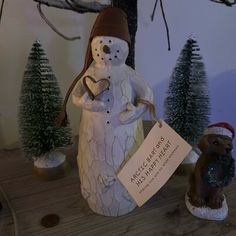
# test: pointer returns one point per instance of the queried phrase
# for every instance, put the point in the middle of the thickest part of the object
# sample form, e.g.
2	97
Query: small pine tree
40	104
187	104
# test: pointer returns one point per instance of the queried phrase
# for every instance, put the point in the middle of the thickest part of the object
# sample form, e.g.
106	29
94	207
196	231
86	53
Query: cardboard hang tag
154	162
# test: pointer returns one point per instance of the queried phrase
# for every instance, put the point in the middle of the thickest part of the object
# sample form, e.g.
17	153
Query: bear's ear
203	143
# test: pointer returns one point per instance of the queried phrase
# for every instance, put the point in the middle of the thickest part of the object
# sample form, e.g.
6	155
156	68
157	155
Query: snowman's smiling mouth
110	58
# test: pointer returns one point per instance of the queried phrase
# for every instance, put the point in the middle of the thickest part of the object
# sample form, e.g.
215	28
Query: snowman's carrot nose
106	49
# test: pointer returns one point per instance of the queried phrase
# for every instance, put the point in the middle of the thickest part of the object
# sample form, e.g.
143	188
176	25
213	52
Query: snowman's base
206	212
111	204
112	212
52	167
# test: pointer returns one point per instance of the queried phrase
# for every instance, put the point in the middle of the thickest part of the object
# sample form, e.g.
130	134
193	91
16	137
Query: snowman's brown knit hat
111	21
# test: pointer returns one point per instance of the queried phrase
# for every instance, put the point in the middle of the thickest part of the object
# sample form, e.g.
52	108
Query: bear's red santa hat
221	128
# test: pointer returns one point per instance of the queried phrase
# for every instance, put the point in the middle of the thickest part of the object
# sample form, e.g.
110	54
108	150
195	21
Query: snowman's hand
132	113
87	103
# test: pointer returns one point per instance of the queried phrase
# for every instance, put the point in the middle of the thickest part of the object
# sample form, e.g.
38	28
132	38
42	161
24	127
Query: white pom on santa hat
221	128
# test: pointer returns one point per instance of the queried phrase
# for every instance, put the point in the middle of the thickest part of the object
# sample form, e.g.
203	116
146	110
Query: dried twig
74	5
154	10
79	9
225	2
164	18
53	27
92	6
166	24
61	4
1	10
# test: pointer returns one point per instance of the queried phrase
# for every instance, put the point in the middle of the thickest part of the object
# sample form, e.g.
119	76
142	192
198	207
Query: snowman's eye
118	51
98	55
115	56
101	41
109	41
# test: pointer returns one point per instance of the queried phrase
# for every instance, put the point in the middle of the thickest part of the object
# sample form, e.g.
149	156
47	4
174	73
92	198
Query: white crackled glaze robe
110	127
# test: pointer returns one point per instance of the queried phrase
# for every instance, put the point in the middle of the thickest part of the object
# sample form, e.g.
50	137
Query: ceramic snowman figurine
108	92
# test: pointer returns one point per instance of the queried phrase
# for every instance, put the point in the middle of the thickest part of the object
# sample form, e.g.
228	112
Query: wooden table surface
164	215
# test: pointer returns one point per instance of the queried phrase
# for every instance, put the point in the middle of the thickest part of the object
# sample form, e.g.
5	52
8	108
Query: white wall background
21	25
213	26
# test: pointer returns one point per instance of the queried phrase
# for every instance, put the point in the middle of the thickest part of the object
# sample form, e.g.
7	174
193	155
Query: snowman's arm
143	95
85	102
141	87
141	90
81	98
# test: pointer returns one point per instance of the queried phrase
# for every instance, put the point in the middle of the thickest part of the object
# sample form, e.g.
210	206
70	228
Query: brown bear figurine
214	170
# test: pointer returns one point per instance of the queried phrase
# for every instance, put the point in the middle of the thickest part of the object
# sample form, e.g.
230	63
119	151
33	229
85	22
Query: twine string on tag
151	109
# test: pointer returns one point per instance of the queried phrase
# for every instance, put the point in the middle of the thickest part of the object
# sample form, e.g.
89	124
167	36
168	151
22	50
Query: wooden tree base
49	173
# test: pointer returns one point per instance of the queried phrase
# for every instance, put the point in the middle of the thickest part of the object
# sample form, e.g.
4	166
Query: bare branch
53	27
55	3
154	10
166	24
164	18
1	10
76	8
92	6
74	5
225	2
